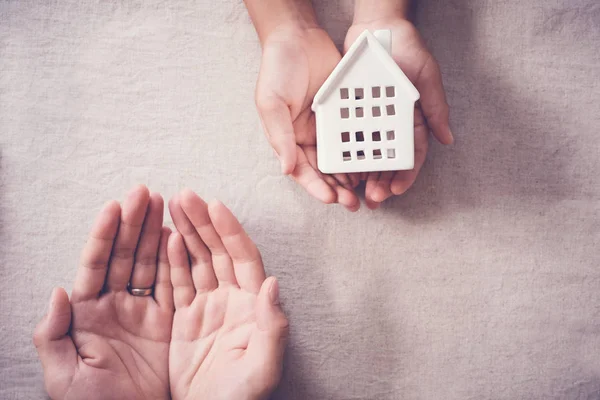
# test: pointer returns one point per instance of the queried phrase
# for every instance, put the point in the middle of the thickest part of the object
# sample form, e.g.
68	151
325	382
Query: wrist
271	15
366	11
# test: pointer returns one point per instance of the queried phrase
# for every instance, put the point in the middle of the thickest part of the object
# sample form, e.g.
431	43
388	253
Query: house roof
366	39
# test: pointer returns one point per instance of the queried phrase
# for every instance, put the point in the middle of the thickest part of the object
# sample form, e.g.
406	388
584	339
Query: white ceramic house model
365	111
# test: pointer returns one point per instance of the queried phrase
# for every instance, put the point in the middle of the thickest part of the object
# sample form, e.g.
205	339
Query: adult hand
106	343
229	332
296	61
431	113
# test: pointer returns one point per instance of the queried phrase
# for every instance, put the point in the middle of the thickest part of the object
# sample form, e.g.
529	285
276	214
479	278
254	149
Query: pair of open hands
212	329
296	61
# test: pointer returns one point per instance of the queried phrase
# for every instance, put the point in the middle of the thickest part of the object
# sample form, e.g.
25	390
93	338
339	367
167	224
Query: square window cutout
346	156
345	113
359	94
390	110
376	92
390	91
360	154
377	154
344	93
345	137
391	135
391	153
360	112
360	137
377	136
376	111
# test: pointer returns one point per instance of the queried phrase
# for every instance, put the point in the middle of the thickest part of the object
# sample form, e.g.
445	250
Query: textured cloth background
482	282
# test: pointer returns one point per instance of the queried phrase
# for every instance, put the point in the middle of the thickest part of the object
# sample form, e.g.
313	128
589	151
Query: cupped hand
431	113
229	332
106	343
295	63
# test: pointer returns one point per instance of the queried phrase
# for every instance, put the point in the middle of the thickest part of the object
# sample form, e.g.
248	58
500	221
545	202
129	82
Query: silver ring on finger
141	292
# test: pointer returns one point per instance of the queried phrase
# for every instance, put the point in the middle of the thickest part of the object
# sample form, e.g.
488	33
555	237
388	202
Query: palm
123	336
228	335
295	63
212	336
412	56
106	343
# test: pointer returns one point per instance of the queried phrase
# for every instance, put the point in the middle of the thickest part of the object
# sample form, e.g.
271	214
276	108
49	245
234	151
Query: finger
305	128
55	348
202	270
269	315
181	274
163	289
197	211
433	101
146	255
382	190
345	192
247	263
343	180
404	179
93	266
370	186
277	122
345	197
350	201
372	205
132	218
268	342
354	179
308	177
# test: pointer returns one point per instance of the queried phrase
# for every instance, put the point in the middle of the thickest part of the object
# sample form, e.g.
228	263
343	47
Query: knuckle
123	253
95	265
437	111
201	260
146	261
267	102
284	328
38	336
431	67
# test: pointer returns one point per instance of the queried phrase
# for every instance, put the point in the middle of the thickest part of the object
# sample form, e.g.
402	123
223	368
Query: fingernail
451	136
378	196
214	203
274	292
52	300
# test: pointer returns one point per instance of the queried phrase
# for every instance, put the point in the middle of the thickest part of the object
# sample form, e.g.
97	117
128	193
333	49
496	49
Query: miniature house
365	111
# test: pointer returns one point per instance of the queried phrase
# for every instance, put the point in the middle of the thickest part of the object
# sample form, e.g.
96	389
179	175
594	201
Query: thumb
267	344
277	123
433	101
55	348
269	315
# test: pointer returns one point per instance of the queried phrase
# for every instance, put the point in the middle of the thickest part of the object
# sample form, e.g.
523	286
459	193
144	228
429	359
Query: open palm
107	343
412	56
229	332
295	63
